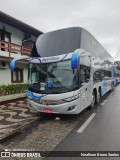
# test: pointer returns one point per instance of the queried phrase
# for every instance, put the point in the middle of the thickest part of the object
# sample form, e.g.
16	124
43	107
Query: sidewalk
14	115
11	97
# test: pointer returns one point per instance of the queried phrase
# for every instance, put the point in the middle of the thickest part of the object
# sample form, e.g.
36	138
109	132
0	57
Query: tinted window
84	74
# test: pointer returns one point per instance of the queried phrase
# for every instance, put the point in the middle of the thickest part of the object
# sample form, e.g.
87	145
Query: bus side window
107	75
87	74
84	74
97	76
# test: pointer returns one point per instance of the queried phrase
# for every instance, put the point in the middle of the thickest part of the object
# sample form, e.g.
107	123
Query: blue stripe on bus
35	97
64	57
104	88
114	75
12	65
35	58
47	57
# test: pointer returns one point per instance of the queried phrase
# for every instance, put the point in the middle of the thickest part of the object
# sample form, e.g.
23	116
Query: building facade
16	40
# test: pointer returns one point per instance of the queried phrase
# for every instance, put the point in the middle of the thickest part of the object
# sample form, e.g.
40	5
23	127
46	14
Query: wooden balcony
14	48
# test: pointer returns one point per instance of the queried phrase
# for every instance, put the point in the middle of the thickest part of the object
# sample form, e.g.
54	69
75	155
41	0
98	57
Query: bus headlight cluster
71	98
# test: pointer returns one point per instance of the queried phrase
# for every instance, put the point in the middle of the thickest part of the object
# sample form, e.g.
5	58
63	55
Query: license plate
47	110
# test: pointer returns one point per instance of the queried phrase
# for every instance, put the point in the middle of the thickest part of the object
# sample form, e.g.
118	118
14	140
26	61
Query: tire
98	98
112	87
92	105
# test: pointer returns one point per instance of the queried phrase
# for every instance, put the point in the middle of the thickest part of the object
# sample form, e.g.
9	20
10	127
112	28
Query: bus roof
68	40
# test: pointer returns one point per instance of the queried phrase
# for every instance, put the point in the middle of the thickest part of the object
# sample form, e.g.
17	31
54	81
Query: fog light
71	108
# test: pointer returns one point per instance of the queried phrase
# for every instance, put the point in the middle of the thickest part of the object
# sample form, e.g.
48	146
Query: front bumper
65	108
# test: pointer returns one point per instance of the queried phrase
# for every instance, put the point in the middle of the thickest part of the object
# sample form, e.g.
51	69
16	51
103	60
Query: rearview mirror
75	60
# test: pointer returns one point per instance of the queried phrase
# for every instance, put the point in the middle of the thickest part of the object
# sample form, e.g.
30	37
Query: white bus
69	70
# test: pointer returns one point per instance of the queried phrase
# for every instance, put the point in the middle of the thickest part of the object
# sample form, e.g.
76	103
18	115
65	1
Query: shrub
12	88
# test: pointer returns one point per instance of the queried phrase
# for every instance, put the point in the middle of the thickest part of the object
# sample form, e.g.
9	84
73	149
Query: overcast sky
100	17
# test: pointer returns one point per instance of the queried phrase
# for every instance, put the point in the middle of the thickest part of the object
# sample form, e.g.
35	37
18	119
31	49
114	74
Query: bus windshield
56	77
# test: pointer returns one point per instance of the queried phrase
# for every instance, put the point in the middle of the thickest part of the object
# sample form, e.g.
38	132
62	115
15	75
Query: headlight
71	98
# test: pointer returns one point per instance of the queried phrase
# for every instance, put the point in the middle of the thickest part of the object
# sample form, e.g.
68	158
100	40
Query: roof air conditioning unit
3	65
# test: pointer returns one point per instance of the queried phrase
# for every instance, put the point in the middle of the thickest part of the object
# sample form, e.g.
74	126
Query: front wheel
112	86
98	98
92	101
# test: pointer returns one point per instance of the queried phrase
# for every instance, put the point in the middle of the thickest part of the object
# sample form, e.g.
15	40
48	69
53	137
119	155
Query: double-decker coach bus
69	71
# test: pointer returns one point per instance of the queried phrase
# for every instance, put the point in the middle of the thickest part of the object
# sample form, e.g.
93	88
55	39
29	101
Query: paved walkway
14	113
13	116
12	96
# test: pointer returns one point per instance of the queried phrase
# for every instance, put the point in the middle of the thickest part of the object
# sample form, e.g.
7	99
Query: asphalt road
100	133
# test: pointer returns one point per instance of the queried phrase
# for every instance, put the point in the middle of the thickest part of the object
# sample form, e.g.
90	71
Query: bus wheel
92	101
112	87
98	98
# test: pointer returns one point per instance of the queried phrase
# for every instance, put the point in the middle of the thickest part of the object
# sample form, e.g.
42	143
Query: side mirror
13	61
75	60
12	65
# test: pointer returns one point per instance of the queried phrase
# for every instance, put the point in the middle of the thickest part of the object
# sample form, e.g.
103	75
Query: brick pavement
13	116
46	134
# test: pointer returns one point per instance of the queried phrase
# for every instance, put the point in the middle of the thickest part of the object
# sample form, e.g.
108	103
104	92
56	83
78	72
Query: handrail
11	47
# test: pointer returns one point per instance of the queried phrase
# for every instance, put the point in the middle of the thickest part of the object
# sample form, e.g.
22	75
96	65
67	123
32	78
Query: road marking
104	102
81	129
